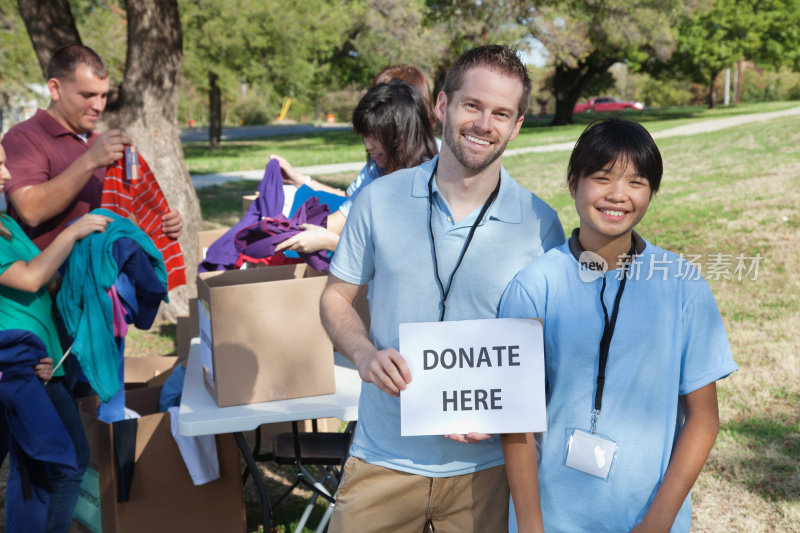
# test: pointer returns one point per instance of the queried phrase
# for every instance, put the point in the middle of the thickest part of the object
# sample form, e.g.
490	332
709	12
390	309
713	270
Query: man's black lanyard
444	291
608	332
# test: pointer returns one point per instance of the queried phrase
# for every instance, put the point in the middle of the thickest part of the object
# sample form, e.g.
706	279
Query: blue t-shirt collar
505	208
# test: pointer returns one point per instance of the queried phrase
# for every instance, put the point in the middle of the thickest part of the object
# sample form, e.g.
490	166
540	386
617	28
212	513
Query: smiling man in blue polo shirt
439	242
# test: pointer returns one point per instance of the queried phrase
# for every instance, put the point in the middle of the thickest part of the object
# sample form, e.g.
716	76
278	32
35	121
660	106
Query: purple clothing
260	239
222	254
38	150
264	226
117	314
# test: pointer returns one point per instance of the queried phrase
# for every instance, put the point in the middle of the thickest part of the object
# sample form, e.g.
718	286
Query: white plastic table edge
200	415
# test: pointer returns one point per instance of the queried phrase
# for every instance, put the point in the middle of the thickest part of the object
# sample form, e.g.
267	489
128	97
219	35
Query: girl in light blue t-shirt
634	344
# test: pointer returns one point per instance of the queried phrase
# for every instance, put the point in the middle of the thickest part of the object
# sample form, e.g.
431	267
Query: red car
606	103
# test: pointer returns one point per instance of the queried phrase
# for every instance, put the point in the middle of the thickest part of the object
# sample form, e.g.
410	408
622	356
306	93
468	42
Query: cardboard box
186	328
261	337
183	337
148	371
247	201
205	239
162	495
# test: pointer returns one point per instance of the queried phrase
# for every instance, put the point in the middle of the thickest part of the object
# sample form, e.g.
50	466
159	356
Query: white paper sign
204	326
484	376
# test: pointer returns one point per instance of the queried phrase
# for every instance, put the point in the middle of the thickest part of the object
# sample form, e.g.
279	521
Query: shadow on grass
169	331
333	138
771	460
241	147
224	201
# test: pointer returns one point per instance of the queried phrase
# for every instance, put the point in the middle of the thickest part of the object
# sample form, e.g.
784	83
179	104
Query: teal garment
29	311
84	303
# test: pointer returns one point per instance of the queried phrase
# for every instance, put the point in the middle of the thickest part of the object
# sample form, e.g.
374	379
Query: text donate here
483	376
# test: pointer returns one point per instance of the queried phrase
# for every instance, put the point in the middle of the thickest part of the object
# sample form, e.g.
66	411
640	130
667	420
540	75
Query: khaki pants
373	498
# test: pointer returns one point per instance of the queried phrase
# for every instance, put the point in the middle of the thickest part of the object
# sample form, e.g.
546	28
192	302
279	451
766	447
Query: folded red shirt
142	198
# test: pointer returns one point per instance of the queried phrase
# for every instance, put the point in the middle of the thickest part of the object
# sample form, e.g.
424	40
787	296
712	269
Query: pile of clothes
264	226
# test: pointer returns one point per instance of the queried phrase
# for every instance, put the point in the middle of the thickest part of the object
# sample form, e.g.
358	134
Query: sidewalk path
705	126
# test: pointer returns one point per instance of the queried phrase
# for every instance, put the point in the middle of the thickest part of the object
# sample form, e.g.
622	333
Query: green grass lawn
724	194
300	150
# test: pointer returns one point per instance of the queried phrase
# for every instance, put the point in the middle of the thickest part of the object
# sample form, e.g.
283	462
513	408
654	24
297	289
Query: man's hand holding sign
484	376
385	368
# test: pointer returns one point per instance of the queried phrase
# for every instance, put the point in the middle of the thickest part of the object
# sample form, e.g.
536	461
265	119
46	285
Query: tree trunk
147	112
214	112
738	88
50	26
146	107
563	111
5	111
568	86
712	93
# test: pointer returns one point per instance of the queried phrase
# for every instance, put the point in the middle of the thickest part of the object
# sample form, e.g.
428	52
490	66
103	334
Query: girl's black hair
396	115
603	143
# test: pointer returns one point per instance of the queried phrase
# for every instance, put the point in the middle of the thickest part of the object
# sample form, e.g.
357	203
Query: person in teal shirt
21	308
25	303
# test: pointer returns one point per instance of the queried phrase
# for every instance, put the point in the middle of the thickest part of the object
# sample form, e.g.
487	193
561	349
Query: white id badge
590	453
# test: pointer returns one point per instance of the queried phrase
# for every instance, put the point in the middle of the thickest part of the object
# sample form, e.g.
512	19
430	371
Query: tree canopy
721	32
260	52
585	37
284	44
18	64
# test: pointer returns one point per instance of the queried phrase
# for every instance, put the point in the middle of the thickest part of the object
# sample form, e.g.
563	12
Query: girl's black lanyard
444	291
605	340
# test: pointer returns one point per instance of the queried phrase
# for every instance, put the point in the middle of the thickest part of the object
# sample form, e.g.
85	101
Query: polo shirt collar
505	208
576	248
53	128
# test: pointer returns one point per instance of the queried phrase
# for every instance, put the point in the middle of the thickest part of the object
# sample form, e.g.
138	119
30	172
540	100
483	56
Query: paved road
319	170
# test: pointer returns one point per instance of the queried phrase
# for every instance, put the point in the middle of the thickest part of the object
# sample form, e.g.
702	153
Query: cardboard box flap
205	239
227	278
148	371
143	369
144	401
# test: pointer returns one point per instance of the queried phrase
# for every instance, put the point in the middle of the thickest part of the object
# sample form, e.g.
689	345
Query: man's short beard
451	138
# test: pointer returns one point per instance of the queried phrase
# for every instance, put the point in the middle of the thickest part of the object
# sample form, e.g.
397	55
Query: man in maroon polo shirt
56	160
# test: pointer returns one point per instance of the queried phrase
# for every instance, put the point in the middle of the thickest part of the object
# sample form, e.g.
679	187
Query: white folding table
200	415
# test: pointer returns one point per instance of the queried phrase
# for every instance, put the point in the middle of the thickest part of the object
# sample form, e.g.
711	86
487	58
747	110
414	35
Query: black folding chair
319	458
